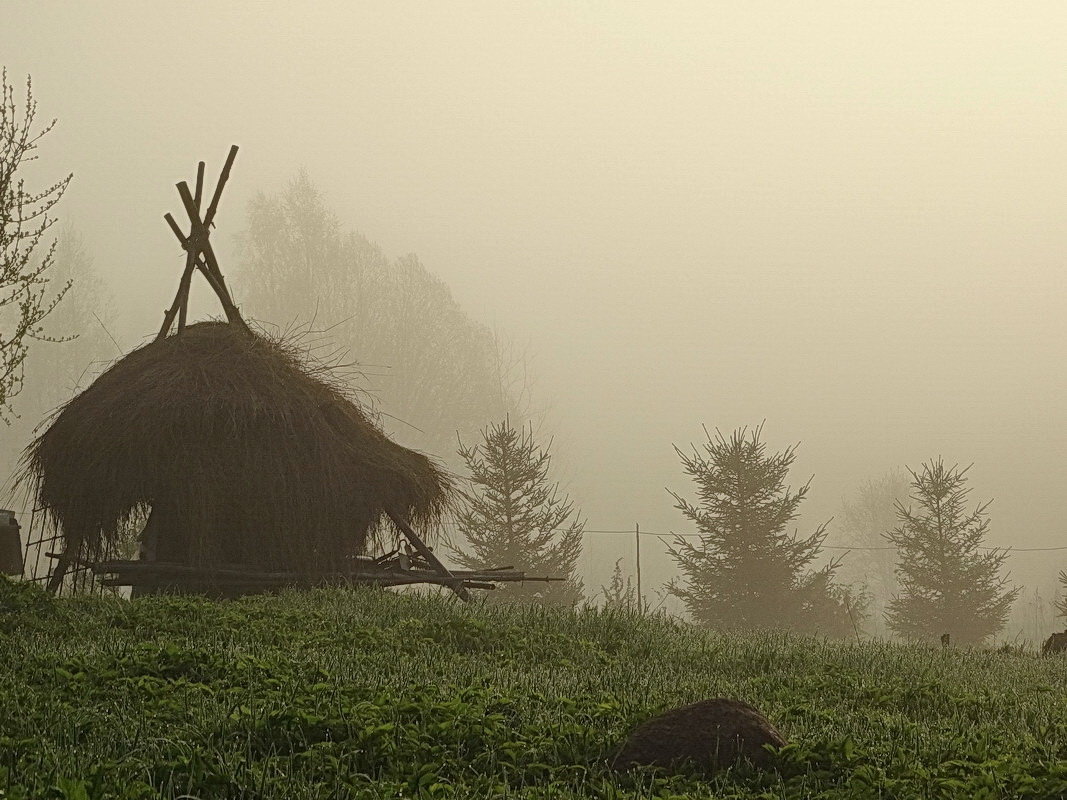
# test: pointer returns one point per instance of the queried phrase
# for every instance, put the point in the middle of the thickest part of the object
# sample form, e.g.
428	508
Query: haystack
241	455
243	451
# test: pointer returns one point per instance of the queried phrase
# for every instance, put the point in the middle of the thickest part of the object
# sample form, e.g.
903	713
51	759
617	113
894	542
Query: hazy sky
844	218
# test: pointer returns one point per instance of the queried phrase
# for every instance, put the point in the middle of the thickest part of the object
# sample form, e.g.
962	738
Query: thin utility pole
637	538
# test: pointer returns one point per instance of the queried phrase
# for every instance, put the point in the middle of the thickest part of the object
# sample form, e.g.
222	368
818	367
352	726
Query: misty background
843	219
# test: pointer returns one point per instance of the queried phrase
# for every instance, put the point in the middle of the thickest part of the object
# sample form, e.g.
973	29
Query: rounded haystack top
244	453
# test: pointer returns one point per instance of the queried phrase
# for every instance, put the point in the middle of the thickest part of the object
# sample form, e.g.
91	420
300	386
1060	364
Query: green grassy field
367	694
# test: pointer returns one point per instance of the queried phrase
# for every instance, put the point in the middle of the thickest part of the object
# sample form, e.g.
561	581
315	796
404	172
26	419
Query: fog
844	219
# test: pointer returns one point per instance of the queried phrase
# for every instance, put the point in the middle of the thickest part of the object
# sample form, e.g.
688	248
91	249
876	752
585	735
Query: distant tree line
408	347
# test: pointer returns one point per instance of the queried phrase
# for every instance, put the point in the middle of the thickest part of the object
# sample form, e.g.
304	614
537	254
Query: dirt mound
713	734
1056	643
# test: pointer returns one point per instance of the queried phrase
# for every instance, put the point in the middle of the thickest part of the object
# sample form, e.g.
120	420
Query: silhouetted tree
746	571
419	358
1034	614
512	516
864	522
950	583
1061	601
25	217
620	594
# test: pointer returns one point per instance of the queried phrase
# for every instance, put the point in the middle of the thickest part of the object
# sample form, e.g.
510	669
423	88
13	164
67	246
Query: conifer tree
950	582
747	571
512	516
1061	601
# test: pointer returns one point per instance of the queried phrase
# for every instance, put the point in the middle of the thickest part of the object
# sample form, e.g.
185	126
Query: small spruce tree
949	582
747	571
512	516
1061	601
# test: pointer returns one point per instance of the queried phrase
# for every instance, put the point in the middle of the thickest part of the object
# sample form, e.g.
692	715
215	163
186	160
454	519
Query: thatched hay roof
245	453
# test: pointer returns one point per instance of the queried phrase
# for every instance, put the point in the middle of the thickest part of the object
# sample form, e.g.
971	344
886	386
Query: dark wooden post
640	596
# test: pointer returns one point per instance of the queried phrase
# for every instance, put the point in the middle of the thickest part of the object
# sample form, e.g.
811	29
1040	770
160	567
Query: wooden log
177	569
146	573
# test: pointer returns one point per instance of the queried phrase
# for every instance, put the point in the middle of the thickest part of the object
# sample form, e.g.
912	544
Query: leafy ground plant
368	694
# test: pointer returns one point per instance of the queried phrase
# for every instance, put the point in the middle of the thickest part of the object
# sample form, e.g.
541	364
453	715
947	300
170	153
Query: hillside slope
369	694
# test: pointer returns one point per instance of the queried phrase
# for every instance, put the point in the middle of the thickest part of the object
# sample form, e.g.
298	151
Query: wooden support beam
427	553
59	569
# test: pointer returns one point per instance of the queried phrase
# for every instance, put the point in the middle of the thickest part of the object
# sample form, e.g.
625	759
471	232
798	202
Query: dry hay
245	452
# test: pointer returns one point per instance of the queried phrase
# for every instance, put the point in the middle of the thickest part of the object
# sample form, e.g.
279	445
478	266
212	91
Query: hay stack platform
255	467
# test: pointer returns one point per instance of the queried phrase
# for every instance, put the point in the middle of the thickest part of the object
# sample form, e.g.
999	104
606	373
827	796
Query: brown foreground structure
255	468
710	735
242	457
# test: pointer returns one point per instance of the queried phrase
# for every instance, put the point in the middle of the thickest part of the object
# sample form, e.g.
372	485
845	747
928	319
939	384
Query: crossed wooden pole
201	256
199	253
